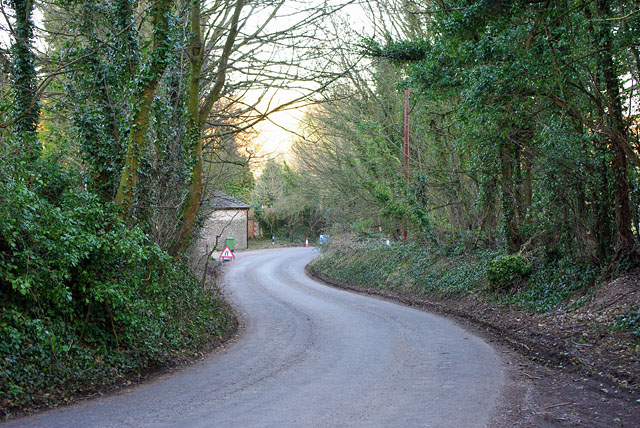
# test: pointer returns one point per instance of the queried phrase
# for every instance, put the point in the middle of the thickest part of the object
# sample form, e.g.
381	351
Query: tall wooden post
405	160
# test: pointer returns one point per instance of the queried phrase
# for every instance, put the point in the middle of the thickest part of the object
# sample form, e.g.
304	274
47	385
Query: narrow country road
311	356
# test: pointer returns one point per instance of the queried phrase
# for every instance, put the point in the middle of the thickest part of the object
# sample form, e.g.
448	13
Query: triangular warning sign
227	254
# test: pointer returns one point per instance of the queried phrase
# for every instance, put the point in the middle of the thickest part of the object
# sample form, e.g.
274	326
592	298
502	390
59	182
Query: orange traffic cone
306	242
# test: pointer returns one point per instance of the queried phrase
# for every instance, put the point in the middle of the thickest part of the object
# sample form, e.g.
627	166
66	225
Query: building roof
222	201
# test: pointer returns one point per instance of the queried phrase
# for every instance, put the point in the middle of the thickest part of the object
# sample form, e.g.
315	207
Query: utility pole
405	160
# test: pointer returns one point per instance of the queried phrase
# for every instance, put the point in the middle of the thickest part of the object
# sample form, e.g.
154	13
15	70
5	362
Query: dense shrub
84	299
505	271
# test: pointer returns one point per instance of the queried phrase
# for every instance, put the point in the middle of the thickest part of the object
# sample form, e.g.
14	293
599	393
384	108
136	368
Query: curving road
311	356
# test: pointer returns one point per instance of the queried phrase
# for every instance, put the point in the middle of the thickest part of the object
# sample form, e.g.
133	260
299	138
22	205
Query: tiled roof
222	201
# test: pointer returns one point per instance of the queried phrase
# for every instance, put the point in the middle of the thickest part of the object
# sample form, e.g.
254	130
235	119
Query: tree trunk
528	179
24	80
194	129
198	114
509	208
624	240
602	228
142	101
518	179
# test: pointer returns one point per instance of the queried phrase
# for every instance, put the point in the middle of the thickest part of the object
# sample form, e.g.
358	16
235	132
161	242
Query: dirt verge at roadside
557	374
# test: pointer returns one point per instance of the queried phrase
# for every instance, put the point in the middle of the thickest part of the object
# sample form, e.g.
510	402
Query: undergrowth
374	264
553	282
536	285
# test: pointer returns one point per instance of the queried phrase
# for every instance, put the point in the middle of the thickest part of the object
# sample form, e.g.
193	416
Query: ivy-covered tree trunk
108	152
24	79
127	41
149	79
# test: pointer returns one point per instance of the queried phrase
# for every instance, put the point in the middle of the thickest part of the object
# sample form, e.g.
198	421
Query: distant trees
285	203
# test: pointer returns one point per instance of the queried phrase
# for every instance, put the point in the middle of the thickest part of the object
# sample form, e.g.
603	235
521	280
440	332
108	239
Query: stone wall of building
223	224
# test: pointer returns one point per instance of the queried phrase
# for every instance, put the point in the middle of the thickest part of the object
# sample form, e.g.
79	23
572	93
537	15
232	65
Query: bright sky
272	135
273	139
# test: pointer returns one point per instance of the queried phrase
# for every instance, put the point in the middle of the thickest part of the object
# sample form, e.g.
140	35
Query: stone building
228	217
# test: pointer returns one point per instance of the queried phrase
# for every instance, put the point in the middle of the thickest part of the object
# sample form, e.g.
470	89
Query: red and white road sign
227	254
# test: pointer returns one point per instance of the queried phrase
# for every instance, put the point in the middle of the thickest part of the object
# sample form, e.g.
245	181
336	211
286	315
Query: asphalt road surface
311	356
